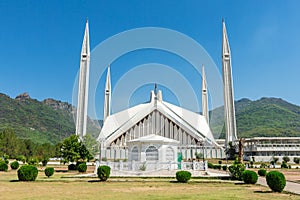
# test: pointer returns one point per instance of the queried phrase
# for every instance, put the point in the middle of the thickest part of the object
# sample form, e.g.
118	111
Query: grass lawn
58	187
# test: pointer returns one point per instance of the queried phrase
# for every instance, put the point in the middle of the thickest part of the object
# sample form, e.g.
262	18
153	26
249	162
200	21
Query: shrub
143	166
286	159
198	155
263	165
49	171
33	161
220	162
27	173
250	177
276	181
224	167
210	165
296	160
217	167
6	157
284	165
262	172
82	167
4	160
72	167
236	171
103	172
14	165
104	159
21	158
183	176
3	166
79	162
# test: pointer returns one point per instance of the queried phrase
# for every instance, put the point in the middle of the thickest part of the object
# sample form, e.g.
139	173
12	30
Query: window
135	153
151	153
169	154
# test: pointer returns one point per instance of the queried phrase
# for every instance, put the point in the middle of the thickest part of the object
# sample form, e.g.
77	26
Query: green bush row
219	166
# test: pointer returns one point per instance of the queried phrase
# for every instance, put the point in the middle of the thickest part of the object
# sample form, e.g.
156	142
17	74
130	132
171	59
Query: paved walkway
290	186
161	173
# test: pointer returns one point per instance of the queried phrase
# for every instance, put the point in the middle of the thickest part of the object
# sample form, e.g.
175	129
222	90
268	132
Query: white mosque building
157	130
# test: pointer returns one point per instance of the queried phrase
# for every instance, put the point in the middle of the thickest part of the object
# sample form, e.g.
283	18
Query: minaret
107	95
229	112
83	87
205	112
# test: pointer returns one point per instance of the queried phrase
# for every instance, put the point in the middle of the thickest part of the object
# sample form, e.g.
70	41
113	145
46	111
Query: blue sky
41	43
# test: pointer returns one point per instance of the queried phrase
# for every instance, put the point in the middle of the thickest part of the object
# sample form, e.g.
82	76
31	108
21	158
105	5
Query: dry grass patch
88	188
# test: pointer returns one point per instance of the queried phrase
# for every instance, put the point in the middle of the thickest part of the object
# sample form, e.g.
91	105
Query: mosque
157	130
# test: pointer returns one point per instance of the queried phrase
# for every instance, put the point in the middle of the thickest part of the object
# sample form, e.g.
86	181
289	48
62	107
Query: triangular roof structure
192	123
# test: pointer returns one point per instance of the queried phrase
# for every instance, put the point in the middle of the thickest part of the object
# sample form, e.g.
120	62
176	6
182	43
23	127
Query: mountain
266	117
49	121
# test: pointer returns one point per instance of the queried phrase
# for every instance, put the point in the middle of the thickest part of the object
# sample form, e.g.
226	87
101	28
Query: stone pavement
290	186
161	173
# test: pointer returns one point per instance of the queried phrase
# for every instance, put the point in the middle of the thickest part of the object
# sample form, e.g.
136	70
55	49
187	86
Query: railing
154	166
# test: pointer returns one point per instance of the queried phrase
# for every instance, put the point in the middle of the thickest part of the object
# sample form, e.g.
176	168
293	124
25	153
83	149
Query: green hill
48	121
267	117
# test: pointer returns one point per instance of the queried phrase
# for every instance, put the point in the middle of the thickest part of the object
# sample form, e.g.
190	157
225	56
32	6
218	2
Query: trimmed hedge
27	173
14	165
103	172
82	167
262	172
276	181
3	166
183	176
49	171
217	167
250	177
72	167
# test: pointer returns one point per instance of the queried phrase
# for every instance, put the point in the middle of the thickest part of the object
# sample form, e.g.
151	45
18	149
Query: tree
286	159
9	143
296	160
275	159
231	151
91	144
73	150
241	150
